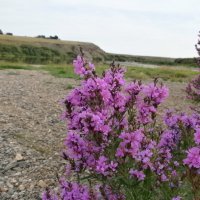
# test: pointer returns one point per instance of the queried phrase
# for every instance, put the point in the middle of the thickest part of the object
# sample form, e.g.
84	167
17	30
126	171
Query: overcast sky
139	27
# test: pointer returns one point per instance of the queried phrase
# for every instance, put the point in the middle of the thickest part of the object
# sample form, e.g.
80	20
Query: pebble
42	184
18	157
21	187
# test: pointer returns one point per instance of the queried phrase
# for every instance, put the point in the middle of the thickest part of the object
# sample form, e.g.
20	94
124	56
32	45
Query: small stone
13	180
18	157
14	196
18	174
3	189
10	192
32	186
42	184
21	187
16	184
9	184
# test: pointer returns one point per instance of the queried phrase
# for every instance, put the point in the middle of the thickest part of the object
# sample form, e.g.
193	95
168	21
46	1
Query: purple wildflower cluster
115	141
176	198
193	89
193	158
70	190
193	154
185	132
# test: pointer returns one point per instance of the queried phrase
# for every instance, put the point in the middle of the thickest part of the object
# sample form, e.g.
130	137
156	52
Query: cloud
159	28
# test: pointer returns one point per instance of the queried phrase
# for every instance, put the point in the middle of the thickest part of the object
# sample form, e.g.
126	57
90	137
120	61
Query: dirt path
31	133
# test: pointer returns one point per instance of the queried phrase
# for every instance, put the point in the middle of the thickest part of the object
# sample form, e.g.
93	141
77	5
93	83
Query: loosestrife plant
118	146
193	88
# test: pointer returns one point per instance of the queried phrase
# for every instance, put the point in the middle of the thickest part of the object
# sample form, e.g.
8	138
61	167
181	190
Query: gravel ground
31	133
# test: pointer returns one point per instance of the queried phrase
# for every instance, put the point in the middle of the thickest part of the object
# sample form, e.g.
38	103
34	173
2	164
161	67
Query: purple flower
115	77
176	198
72	190
80	67
134	88
155	93
130	144
197	136
110	194
138	174
169	138
47	195
164	178
104	167
145	112
193	157
171	120
188	121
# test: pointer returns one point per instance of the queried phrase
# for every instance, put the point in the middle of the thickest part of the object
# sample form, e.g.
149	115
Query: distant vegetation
45	50
39	36
9	33
190	62
32	54
1	33
50	37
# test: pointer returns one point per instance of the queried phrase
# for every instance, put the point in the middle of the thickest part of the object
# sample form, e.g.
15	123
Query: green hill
45	51
39	50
